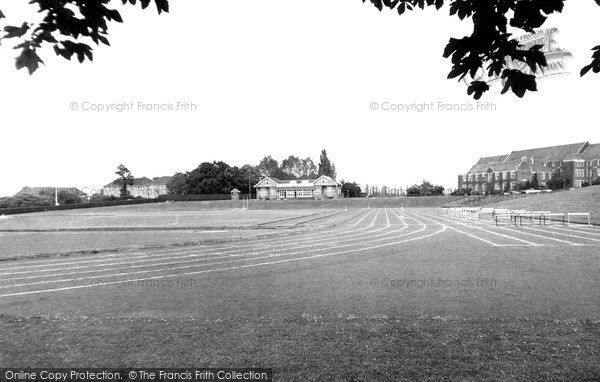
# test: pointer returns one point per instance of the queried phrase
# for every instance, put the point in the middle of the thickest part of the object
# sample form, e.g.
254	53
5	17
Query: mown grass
315	348
579	200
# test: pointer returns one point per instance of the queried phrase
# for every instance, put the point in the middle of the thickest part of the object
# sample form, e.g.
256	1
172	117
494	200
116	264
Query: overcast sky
279	78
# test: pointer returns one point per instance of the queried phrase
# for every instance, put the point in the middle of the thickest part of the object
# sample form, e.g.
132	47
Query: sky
278	78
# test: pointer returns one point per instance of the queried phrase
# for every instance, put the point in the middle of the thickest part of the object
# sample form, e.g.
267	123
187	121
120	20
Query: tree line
218	177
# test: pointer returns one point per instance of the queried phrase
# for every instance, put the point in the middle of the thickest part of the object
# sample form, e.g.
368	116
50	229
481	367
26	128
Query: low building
40	191
578	162
323	187
141	187
235	194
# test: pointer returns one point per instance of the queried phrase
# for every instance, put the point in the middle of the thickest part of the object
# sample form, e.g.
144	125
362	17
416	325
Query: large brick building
141	187
578	162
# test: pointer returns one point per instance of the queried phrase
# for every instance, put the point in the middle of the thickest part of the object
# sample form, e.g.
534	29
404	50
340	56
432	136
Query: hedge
25	210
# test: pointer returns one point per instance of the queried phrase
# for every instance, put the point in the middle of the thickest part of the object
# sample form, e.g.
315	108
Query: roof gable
548	154
591	152
324	180
267	182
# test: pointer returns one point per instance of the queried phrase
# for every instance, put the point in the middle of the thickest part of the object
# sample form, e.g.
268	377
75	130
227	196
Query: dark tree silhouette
490	44
326	167
125	179
61	28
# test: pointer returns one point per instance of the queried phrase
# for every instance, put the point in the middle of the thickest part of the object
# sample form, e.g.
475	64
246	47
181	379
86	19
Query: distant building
322	188
38	191
578	162
141	187
235	194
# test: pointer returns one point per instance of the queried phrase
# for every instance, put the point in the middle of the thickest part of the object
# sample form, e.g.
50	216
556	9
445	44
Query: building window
470	178
282	194
513	175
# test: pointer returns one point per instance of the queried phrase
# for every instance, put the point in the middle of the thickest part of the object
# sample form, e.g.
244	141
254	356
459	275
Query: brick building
142	187
578	162
322	188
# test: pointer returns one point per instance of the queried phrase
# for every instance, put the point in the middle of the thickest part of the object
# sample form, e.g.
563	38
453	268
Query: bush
99	198
196	197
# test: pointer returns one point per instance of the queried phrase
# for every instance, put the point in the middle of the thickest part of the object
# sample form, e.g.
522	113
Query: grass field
380	294
585	200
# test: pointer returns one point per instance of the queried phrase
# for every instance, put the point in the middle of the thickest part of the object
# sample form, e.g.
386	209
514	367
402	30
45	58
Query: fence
518	217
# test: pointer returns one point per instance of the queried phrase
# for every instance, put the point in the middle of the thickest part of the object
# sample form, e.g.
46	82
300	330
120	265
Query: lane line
205	264
492	232
444	227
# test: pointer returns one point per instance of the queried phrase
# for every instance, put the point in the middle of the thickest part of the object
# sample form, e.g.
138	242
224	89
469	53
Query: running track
367	232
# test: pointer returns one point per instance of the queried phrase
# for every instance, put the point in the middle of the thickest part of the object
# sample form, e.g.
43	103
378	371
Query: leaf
377	3
28	59
12	31
2	15
162	6
113	14
594	65
518	82
401	9
70	48
477	88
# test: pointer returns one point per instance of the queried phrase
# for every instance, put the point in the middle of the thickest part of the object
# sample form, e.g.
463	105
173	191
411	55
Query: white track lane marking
161	251
198	254
492	232
241	266
201	265
123	256
574	230
464	233
530	234
563	234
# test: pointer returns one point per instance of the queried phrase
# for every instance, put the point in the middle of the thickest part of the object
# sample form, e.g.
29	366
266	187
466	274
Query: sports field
387	294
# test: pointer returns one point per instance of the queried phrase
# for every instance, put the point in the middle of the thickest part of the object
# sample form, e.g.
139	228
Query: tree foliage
426	188
291	168
535	183
558	182
299	168
351	190
64	25
326	167
178	184
125	179
215	177
490	44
